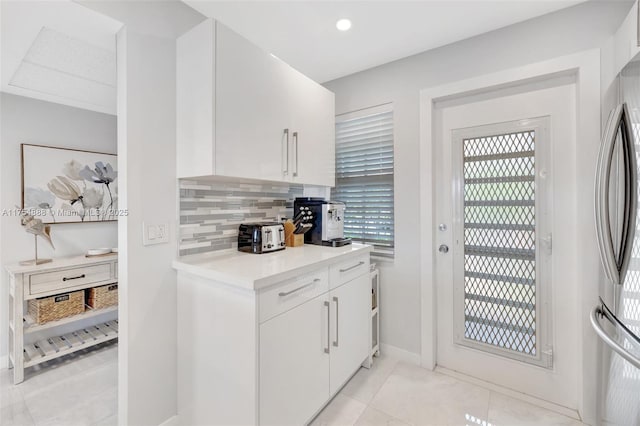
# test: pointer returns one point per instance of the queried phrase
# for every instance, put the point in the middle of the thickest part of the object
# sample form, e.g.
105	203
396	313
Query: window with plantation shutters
364	176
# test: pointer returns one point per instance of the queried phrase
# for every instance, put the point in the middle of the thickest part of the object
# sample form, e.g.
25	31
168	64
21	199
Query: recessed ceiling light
343	24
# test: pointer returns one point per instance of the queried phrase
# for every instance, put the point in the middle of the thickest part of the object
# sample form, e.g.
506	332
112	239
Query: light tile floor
78	389
82	390
395	393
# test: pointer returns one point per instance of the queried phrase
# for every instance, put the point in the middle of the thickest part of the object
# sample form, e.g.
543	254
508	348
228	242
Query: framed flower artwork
61	185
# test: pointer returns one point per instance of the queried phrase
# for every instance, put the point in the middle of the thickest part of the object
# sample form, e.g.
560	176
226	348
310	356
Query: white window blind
364	176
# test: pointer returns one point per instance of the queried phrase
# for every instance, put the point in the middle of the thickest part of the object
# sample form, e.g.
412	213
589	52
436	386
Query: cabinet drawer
291	293
67	278
343	272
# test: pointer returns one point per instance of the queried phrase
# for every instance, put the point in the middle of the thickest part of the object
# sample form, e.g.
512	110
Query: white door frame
585	66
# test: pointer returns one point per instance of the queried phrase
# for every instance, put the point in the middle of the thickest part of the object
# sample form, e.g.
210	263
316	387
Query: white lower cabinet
294	364
276	355
308	353
350	311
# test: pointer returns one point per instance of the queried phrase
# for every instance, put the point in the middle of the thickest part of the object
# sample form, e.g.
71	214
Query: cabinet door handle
286	293
336	342
73	278
285	168
352	267
326	350
295	142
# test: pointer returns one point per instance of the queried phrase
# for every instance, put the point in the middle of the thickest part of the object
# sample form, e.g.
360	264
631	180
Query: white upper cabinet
252	110
313	136
195	106
244	113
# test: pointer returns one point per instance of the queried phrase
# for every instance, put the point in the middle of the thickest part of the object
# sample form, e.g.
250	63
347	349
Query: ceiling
59	51
159	18
303	33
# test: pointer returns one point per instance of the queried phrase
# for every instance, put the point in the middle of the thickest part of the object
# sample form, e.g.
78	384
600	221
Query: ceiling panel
62	85
73	56
59	51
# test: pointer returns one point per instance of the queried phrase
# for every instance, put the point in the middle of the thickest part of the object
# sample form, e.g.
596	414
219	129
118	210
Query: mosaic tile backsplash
210	212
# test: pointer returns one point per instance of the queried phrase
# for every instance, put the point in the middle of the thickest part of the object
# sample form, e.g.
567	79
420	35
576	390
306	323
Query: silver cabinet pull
286	293
285	169
295	142
326	350
336	342
352	267
73	278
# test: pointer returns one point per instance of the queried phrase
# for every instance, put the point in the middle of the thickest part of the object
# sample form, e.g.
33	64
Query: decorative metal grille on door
500	241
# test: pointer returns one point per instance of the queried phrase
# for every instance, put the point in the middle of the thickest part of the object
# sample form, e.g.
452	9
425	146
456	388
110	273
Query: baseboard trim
171	421
399	354
512	393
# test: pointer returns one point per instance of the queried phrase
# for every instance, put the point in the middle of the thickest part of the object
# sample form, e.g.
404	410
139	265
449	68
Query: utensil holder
291	239
295	240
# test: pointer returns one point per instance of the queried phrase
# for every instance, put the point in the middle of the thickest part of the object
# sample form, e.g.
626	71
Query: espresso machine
328	221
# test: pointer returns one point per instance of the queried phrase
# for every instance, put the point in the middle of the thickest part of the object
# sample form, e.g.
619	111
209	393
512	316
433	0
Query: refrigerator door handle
603	170
615	266
631	193
603	311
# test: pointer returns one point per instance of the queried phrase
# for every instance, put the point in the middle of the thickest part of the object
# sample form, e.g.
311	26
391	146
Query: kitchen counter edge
204	266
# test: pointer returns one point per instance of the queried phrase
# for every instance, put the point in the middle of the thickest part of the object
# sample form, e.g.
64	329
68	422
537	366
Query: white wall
146	141
25	120
586	26
147	144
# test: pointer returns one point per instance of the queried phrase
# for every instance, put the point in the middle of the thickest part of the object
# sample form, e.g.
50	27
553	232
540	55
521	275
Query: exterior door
498	279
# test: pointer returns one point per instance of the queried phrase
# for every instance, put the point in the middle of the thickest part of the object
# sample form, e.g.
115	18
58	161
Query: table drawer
347	270
291	293
68	278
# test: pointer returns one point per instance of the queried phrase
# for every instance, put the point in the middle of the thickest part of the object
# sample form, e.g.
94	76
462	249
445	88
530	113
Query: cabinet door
252	110
294	366
195	94
350	317
313	144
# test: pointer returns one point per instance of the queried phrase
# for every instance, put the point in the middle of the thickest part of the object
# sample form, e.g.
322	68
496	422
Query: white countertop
256	271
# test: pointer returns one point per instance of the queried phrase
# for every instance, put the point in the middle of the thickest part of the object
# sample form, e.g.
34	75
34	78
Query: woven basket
56	307
103	296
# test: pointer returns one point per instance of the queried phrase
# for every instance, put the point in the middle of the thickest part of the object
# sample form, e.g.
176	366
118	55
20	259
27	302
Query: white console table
31	343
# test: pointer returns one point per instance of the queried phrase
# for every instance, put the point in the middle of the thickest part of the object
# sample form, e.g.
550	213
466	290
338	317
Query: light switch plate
155	233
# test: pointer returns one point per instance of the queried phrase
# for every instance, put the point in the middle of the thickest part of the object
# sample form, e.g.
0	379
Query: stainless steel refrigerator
616	319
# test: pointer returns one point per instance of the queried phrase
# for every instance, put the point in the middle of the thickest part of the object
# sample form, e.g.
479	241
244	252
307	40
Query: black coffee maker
328	221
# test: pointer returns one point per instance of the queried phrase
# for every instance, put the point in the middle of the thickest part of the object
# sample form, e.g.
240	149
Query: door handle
327	349
615	266
285	168
336	342
603	311
603	230
631	191
295	143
